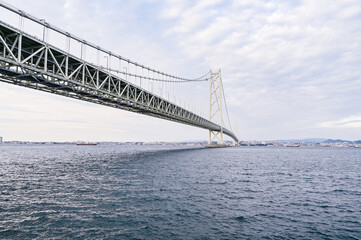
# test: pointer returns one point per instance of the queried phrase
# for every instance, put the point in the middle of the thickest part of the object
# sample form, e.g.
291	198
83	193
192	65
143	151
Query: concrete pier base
216	145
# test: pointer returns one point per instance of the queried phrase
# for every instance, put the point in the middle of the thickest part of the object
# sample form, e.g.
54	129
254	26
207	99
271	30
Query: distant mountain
337	141
312	140
305	140
315	141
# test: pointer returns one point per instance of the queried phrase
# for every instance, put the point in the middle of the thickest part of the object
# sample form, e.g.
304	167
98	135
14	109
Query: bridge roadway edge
44	81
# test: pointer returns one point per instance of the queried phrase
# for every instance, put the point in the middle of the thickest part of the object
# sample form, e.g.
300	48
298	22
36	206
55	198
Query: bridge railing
158	82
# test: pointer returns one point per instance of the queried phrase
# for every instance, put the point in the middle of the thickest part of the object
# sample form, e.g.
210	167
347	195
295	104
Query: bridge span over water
33	62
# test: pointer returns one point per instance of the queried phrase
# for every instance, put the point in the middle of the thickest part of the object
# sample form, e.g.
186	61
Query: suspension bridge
38	55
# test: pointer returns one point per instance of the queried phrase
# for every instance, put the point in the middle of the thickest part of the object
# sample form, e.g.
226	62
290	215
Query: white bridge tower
215	106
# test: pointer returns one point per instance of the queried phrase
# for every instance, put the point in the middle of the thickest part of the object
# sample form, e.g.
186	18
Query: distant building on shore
1	139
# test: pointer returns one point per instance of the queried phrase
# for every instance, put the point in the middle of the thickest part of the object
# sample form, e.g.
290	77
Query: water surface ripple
160	192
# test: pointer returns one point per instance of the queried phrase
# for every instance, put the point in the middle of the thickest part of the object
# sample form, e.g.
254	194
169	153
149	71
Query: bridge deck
33	63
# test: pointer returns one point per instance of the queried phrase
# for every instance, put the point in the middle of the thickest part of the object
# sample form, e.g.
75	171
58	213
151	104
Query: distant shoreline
288	144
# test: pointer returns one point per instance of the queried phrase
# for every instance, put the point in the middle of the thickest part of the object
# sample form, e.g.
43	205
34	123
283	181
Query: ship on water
86	144
293	145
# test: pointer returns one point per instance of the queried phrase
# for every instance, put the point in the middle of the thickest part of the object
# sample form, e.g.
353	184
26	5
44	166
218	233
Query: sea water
170	192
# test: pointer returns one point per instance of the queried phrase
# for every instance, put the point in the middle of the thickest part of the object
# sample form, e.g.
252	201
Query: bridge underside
29	62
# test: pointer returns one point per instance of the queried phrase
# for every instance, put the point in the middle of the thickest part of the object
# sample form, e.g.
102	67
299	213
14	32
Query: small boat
86	144
293	145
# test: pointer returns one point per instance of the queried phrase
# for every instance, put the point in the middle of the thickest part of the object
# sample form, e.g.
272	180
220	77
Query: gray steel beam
52	70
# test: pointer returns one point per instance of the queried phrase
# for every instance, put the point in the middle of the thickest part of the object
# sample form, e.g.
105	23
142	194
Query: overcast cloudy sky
291	69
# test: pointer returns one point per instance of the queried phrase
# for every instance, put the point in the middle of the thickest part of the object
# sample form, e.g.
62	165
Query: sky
290	69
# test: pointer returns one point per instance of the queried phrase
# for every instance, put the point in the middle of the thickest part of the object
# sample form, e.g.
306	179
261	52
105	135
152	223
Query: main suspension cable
200	79
48	26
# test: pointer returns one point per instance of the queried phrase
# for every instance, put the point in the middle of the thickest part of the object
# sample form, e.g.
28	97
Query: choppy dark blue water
123	192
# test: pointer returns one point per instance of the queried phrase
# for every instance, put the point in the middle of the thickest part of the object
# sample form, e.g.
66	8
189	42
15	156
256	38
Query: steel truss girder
30	62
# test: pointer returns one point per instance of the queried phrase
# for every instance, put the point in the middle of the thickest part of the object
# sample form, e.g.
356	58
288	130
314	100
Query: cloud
286	65
348	122
282	62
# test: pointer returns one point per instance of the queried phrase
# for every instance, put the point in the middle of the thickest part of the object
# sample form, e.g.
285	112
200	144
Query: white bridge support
215	106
